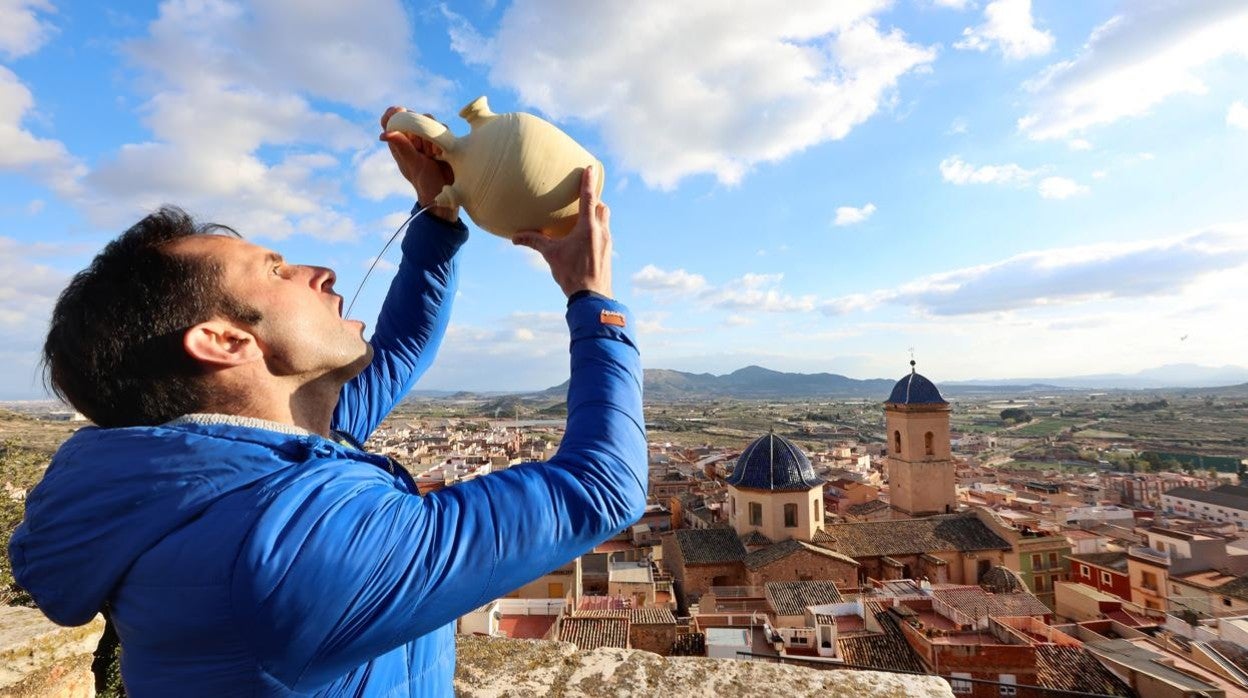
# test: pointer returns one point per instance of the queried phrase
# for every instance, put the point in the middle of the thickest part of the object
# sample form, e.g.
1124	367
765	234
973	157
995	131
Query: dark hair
114	349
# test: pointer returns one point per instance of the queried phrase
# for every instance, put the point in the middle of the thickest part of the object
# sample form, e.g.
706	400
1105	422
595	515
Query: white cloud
757	293
1009	26
958	127
21	151
22	30
848	215
678	281
747	293
754	85
360	53
1134	61
1060	188
953	4
1237	115
237	131
1066	276
955	170
1079	144
377	177
28	289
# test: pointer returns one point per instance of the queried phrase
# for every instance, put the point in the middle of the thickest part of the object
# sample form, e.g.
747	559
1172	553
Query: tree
1015	415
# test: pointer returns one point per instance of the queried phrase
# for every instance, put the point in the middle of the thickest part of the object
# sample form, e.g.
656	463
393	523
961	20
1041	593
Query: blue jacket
238	561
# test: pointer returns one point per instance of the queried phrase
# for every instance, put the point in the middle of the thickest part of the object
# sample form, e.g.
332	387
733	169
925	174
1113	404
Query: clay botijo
513	171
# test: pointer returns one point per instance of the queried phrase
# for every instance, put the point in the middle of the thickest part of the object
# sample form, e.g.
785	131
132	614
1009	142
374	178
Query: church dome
1002	580
915	389
773	463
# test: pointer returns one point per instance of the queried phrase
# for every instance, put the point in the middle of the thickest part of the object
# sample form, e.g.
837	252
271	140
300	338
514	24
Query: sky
1004	188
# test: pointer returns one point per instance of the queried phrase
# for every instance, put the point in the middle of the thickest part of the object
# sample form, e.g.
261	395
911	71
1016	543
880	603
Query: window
1053	559
790	516
1007	688
959	683
1039	583
818	519
1106	578
756	514
929	446
732	506
897	442
1036	562
1083	571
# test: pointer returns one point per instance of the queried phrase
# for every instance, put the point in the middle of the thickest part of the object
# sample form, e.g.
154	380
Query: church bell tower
920	459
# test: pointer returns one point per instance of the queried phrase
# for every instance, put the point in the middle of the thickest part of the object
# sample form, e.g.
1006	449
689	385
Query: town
1033	544
1011	542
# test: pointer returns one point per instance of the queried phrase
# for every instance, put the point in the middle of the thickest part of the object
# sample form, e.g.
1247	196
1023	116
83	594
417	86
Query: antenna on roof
912	369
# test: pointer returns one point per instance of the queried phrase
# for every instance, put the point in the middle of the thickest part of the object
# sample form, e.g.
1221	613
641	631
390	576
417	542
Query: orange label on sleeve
611	317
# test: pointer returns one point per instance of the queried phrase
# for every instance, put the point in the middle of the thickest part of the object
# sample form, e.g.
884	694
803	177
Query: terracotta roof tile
592	633
887	651
792	598
709	545
1075	669
911	536
779	551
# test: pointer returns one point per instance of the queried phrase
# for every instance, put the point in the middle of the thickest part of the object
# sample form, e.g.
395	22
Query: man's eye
277	270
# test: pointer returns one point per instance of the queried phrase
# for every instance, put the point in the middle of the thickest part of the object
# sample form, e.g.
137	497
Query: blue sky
1009	188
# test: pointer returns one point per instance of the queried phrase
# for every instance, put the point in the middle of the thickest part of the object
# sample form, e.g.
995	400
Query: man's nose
323	278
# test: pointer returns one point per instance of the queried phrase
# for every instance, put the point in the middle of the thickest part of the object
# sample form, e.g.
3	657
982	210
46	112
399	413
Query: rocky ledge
502	668
41	659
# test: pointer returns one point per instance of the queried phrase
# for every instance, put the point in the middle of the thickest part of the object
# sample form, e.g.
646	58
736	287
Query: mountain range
758	382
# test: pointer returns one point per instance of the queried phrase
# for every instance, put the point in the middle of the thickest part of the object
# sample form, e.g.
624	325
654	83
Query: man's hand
581	261
415	157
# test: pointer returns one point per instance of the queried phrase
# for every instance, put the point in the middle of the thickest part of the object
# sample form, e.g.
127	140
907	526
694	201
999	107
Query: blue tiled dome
914	389
773	463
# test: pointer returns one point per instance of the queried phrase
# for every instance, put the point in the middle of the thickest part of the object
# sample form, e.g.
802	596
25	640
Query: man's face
301	332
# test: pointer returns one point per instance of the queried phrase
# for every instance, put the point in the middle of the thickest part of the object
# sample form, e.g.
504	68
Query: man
225	517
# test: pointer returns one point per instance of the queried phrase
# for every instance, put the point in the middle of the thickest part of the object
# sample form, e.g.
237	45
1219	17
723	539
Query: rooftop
709	545
1236	588
910	536
792	598
977	603
1215	497
1076	669
1146	661
779	551
1110	561
887	650
592	633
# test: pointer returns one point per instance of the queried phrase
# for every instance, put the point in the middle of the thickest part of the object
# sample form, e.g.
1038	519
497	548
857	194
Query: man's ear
221	344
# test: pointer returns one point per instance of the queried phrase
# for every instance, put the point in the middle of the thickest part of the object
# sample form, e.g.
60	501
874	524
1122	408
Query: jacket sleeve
359	567
409	329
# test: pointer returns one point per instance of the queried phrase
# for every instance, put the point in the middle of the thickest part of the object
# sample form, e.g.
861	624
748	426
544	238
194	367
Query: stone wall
806	565
496	667
39	659
652	637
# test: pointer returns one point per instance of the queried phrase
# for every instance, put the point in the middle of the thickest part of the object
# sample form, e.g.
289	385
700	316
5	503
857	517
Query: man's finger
532	240
385	118
589	198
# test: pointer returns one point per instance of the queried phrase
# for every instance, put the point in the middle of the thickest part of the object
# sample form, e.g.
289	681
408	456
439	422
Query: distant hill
756	382
1168	376
753	382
